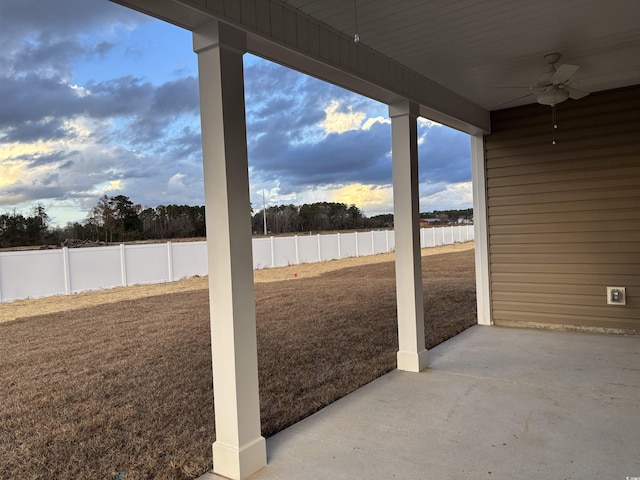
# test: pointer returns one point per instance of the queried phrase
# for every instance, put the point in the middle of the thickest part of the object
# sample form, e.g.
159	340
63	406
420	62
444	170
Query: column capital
404	107
215	34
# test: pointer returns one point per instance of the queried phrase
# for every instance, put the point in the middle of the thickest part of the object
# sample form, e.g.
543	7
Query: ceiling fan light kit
554	87
553	96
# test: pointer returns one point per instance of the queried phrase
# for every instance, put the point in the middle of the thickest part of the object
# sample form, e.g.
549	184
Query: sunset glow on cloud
365	197
340	122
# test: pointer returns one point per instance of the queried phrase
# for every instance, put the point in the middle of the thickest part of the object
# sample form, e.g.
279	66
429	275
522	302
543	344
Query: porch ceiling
472	46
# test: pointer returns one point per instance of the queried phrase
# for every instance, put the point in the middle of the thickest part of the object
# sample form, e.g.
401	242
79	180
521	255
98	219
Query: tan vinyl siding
564	219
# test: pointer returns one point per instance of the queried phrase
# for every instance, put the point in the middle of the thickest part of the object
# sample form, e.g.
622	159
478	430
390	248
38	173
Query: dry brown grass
123	389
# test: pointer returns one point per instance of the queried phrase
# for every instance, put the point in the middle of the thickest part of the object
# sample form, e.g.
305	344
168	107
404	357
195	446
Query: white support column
239	449
412	356
480	231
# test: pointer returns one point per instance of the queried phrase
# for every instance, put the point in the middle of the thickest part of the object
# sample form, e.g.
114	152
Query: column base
412	361
238	464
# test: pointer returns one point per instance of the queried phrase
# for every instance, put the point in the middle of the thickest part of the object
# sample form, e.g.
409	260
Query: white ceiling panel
473	46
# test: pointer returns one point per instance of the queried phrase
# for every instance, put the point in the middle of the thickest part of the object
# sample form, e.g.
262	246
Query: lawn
124	390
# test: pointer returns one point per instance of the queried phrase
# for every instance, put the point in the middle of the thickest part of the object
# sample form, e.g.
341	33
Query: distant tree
36	226
380	221
12	230
173	221
17	230
449	216
102	218
127	224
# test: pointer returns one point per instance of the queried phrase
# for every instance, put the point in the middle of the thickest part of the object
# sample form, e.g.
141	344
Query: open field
117	384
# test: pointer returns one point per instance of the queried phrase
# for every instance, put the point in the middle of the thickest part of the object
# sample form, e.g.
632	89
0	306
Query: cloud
372	121
353	156
445	155
60	19
366	197
337	121
446	196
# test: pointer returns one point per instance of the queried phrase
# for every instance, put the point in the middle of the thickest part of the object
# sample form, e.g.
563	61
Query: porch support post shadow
239	449
412	356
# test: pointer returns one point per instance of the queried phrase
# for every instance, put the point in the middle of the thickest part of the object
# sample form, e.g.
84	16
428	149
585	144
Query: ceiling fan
553	86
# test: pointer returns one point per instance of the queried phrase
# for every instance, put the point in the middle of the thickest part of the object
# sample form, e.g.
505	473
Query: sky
96	99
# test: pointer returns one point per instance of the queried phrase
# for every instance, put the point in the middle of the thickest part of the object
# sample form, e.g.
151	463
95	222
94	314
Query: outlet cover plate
616	296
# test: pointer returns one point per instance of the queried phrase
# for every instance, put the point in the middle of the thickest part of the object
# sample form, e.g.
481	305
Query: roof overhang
281	33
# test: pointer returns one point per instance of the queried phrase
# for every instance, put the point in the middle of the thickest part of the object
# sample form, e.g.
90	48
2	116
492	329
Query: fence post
339	250
357	249
123	265
170	260
373	244
319	249
67	271
386	237
273	253
297	249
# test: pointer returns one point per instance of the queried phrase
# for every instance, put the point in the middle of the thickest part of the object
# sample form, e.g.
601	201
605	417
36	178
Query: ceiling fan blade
563	74
576	93
514	99
530	87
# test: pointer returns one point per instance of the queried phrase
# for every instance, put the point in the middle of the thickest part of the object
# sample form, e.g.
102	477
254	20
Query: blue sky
97	99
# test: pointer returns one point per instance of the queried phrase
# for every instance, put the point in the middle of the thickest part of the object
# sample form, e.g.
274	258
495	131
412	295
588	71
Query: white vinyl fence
41	273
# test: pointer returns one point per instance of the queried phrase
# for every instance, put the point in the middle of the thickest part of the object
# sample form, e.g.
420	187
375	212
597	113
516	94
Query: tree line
118	219
445	217
316	217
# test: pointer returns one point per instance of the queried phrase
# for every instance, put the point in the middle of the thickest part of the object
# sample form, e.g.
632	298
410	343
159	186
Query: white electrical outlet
616	296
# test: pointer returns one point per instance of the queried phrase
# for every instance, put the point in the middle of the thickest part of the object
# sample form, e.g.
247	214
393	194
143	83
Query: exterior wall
564	219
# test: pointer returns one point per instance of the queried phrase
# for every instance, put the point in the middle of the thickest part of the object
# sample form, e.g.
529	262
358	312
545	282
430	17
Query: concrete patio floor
495	403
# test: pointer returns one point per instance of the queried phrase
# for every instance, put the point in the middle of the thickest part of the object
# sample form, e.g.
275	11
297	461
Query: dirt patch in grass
124	389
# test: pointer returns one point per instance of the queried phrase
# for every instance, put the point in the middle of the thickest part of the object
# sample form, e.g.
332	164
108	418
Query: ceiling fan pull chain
356	37
554	125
